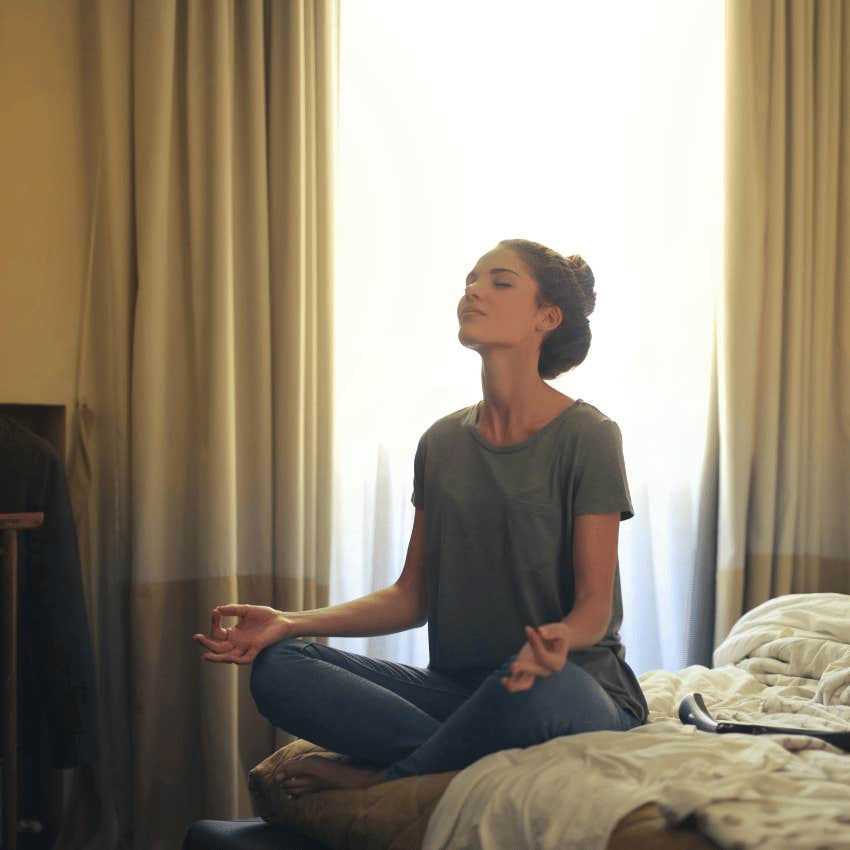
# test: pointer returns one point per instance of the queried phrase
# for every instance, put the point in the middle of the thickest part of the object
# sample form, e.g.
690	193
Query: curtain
783	356
202	436
595	129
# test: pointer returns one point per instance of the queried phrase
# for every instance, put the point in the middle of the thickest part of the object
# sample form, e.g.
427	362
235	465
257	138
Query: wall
43	201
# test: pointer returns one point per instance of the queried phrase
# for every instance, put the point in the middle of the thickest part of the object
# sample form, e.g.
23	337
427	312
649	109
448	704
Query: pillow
824	616
387	816
799	636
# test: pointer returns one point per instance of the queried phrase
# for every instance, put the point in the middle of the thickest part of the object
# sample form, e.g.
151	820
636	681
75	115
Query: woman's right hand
258	627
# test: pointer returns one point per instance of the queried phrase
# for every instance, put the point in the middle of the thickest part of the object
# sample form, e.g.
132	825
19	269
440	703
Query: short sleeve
418	497
600	483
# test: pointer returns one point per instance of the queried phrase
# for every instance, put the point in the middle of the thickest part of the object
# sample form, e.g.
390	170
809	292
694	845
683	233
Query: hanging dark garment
56	672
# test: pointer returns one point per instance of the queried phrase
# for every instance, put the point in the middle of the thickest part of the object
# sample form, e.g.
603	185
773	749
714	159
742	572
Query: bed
662	785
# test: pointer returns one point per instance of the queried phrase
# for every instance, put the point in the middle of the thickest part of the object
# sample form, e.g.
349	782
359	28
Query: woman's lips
466	313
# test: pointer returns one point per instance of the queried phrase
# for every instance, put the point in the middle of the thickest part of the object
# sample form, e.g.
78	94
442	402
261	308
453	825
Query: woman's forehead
500	258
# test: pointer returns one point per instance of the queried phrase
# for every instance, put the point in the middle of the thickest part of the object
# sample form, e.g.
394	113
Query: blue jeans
415	721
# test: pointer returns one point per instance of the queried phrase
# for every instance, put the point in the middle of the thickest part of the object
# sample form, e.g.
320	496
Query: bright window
594	128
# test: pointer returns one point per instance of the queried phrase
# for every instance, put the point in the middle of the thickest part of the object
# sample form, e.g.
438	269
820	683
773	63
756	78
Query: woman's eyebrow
493	271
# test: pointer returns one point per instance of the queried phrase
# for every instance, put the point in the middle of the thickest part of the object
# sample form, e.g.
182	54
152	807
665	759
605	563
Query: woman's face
499	306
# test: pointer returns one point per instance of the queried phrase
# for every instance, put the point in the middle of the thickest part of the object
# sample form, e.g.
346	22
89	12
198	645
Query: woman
512	562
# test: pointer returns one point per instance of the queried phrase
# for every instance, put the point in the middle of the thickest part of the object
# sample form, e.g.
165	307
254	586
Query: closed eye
497	283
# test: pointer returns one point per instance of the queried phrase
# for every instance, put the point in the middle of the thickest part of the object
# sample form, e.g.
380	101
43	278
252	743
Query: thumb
547	631
231	610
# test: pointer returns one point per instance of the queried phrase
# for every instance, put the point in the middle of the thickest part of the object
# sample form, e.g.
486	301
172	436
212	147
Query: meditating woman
512	562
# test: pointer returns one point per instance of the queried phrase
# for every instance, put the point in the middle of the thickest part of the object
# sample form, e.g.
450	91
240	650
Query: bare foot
316	773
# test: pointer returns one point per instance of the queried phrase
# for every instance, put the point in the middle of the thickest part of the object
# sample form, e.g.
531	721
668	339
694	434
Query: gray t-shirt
498	538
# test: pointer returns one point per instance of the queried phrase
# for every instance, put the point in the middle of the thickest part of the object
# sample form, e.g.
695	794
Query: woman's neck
517	401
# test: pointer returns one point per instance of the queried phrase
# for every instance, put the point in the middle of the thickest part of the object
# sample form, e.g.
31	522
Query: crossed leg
396	720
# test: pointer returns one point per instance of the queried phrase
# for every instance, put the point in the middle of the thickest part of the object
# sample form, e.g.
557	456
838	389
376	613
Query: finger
246	657
551	637
515	683
537	642
536	659
238	653
531	665
249	656
560	650
214	645
530	668
526	677
297	787
547	658
232	610
218	656
216	631
213	656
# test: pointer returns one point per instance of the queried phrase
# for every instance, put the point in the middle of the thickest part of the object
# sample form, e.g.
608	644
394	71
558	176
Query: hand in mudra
543	653
258	626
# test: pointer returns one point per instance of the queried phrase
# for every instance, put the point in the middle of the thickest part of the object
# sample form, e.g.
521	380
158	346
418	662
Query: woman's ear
552	317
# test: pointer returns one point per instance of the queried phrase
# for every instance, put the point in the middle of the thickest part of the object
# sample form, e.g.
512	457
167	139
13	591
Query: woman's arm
595	538
401	606
391	609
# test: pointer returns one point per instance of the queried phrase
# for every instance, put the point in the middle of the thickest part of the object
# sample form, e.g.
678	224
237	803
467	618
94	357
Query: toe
295	793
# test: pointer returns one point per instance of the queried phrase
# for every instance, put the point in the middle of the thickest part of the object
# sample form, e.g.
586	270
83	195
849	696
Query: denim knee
266	673
564	702
521	717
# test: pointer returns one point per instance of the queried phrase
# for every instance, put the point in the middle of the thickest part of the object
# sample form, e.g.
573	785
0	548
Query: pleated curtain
783	358
201	452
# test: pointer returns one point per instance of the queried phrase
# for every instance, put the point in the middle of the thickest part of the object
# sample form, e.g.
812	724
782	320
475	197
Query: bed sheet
785	663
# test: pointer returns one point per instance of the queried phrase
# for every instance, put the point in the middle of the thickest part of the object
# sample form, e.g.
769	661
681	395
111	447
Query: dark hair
568	283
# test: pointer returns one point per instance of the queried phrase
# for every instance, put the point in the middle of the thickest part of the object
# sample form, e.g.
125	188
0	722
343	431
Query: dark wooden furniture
11	524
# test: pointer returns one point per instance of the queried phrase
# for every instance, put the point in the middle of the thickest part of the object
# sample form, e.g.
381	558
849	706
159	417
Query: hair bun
584	277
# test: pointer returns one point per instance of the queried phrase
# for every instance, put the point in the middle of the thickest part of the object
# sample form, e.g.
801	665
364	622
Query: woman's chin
466	339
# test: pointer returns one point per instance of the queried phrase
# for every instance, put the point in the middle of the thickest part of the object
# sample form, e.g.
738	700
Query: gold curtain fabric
784	323
201	455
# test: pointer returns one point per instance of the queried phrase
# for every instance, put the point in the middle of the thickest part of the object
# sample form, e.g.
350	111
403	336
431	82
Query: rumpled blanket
785	663
799	636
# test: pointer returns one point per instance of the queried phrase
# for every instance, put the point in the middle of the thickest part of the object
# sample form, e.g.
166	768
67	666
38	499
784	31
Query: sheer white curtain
594	128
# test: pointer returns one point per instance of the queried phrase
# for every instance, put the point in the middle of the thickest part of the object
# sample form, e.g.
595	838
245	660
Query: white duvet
785	663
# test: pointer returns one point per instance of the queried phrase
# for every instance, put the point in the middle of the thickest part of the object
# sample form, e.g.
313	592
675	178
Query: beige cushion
387	816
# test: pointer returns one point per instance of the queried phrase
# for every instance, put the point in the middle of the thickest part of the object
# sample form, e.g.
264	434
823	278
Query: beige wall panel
43	202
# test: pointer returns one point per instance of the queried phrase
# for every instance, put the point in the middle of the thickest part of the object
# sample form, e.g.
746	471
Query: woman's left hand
544	652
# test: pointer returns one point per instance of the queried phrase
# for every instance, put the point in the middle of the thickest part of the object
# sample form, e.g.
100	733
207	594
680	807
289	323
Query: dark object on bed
245	834
692	710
